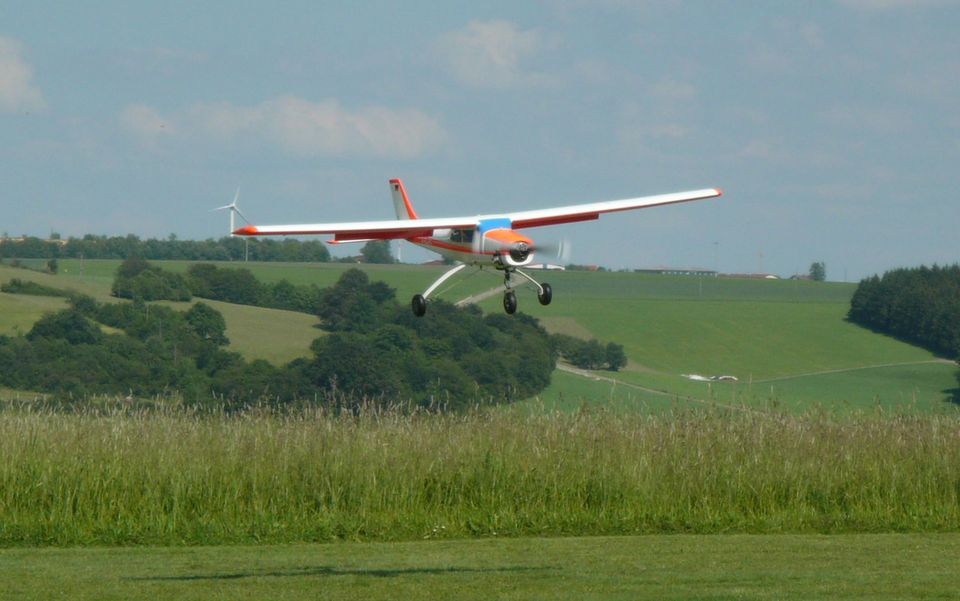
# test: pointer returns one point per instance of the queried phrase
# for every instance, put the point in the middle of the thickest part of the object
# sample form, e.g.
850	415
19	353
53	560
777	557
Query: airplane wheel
510	302
547	295
419	305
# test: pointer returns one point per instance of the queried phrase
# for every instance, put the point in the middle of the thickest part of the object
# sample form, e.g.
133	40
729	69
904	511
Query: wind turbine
235	210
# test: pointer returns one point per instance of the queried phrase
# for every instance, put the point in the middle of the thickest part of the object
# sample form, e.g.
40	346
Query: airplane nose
519	251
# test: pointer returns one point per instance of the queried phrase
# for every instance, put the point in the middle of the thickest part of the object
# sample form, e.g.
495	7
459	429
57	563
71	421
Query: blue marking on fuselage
494	223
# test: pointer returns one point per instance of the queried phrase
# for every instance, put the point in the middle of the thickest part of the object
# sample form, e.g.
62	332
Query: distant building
22	239
679	271
751	276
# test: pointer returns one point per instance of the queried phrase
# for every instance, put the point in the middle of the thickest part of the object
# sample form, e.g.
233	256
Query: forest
919	305
374	350
121	247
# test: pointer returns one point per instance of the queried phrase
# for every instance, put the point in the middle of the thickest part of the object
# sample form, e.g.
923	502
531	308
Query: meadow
174	477
787	341
635	484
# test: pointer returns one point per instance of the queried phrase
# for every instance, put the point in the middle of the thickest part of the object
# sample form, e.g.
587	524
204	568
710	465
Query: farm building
679	271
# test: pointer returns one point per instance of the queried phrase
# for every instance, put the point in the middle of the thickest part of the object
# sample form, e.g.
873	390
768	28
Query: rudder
401	202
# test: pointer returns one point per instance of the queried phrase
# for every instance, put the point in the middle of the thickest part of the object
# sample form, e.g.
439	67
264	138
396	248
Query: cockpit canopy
462	235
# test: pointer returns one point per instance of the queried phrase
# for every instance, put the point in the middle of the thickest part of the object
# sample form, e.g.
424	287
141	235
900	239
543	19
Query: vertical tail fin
401	203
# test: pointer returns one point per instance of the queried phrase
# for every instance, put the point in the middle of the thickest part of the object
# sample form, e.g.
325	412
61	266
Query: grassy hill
271	334
787	342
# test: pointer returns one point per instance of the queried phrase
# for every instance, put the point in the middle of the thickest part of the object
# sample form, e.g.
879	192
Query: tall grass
175	477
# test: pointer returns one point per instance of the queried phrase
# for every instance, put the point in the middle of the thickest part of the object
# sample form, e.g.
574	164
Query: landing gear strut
418	304
419	301
544	291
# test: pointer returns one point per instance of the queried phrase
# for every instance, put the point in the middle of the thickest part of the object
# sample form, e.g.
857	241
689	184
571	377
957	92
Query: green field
180	477
407	279
874	567
517	497
787	342
257	333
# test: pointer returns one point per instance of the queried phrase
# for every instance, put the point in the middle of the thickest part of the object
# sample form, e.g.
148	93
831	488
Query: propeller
234	210
558	250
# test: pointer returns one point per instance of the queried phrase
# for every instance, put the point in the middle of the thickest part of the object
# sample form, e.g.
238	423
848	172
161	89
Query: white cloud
300	127
17	92
490	54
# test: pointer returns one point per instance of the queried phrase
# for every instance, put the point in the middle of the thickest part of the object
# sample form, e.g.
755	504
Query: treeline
590	354
157	351
137	278
457	358
18	286
121	247
240	286
376	352
919	305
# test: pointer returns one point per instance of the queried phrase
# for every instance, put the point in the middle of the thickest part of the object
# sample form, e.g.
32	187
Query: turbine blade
242	216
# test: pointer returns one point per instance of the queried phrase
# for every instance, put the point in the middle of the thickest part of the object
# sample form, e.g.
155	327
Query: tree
136	278
592	355
69	325
616	358
350	364
353	303
818	271
920	305
377	251
132	266
208	323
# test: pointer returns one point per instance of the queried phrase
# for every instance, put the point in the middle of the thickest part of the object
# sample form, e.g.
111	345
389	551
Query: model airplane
479	240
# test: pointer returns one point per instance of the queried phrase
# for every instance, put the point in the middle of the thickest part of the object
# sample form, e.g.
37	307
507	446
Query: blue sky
833	127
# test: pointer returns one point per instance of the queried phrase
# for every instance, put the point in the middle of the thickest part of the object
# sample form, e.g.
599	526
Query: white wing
362	230
411	228
590	211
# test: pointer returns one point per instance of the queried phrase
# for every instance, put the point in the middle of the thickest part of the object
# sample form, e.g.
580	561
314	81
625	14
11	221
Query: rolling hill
787	342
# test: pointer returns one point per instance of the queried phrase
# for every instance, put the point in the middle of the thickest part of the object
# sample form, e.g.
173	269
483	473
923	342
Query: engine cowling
507	247
518	255
508	253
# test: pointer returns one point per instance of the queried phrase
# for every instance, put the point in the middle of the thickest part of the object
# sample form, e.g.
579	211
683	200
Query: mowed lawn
872	566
